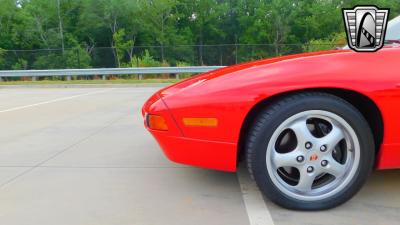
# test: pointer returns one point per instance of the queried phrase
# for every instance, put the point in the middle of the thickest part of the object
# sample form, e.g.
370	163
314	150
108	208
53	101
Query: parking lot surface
81	156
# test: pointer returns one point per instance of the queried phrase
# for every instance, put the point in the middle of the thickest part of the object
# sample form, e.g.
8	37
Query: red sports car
311	127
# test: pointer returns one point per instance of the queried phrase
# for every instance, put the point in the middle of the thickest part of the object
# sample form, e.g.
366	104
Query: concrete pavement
81	156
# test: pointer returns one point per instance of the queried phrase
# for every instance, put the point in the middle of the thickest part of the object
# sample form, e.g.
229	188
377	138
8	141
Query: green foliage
72	58
21	64
146	61
77	58
79	29
2	59
337	40
122	46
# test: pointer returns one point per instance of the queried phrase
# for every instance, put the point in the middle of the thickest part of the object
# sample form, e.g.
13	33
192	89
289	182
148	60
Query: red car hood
198	79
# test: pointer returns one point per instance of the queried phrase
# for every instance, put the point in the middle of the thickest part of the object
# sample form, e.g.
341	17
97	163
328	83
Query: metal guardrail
106	71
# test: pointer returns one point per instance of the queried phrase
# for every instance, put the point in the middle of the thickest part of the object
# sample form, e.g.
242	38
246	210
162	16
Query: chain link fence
147	56
142	56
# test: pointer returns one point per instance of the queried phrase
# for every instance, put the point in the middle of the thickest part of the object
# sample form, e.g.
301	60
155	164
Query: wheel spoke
333	137
302	132
286	159
305	182
335	168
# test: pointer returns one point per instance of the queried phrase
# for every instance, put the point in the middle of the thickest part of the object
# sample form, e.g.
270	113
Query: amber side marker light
200	122
156	122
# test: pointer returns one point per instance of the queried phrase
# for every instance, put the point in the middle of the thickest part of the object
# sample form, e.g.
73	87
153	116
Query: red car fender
229	94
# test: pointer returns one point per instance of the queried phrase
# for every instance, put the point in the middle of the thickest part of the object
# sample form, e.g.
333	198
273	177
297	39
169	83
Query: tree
122	46
157	14
60	25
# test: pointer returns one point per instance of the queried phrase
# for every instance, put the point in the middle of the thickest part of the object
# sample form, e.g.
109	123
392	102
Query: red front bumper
178	148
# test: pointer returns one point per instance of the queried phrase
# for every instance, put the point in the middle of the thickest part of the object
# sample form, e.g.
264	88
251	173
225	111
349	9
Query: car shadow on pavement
378	203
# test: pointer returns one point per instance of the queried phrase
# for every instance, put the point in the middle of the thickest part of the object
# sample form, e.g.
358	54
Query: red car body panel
230	93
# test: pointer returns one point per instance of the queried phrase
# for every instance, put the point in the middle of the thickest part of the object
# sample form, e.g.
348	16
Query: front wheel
310	151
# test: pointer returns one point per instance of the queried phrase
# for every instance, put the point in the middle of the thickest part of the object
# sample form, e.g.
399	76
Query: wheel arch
363	103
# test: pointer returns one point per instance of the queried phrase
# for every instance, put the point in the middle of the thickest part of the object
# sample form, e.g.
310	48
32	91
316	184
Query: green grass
117	81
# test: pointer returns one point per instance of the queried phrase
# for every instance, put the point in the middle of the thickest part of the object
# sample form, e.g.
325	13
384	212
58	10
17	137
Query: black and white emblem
365	27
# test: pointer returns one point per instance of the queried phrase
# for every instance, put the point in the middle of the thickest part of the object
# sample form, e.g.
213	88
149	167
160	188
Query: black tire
270	118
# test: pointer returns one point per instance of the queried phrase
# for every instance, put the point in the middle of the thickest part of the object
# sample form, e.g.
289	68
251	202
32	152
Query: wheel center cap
313	157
